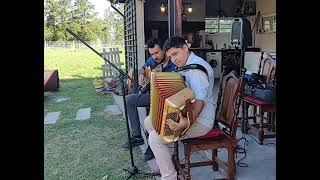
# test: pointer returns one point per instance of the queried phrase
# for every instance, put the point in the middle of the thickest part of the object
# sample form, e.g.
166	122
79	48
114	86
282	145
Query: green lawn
87	149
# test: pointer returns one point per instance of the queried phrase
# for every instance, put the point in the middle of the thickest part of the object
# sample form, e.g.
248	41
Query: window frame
218	30
272	18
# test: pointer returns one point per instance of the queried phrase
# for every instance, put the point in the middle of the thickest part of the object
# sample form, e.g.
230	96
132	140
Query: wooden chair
267	67
218	137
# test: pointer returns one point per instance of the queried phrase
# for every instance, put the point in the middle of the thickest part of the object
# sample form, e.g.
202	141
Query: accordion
169	96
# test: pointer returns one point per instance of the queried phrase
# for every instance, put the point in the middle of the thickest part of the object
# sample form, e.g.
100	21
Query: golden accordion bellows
169	95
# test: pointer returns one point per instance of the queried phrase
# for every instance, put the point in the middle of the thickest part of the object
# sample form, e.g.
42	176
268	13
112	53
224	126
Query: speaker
51	80
241	34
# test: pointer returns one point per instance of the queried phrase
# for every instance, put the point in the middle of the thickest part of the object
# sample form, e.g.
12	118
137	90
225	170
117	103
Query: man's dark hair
154	41
174	42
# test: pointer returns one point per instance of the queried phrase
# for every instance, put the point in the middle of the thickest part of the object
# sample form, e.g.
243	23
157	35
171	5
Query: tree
57	14
114	23
100	29
119	26
79	16
60	14
82	17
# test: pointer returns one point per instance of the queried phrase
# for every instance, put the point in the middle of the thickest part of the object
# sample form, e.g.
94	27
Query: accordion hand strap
190	116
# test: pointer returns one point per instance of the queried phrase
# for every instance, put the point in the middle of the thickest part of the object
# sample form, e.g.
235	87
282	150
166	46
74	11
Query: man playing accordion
203	108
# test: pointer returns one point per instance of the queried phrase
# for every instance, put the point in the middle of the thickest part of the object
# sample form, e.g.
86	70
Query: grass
88	149
76	64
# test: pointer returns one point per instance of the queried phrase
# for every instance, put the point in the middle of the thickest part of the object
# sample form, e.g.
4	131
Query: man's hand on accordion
183	123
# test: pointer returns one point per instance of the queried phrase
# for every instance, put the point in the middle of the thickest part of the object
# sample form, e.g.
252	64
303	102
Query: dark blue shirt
152	63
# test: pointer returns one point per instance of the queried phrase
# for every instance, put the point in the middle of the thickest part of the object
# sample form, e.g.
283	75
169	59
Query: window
269	23
266	26
225	25
211	25
217	25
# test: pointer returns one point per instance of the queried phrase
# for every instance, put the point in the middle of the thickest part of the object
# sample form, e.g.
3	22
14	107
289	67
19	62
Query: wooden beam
171	18
178	17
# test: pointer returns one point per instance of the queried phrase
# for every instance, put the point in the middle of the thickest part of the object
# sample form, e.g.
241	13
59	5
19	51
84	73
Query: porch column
171	18
175	17
179	17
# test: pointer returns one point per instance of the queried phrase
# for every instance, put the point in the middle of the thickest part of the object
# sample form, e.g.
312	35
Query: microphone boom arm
120	70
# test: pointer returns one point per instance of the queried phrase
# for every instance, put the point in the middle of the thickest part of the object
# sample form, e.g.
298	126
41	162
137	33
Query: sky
100	6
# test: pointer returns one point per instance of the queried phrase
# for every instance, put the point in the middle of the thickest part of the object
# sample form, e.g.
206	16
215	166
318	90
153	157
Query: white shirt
202	86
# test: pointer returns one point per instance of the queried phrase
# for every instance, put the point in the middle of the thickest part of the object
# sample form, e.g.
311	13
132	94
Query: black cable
242	150
258	142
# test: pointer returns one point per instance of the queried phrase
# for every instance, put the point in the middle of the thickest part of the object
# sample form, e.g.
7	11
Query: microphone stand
133	170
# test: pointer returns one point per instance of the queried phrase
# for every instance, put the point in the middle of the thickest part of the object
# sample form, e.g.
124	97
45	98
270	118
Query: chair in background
267	68
218	137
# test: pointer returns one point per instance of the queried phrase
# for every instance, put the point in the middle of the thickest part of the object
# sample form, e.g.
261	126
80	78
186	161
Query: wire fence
77	45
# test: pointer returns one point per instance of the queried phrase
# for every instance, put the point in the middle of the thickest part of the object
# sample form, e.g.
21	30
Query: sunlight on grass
87	149
76	64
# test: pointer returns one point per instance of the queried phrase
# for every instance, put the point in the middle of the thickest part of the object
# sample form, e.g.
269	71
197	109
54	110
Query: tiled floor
260	160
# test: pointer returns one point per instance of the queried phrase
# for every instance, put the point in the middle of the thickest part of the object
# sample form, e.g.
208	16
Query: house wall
265	41
212	7
153	11
140	32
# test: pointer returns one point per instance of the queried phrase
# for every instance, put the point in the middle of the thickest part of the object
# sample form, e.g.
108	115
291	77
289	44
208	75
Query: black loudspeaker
51	80
241	34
